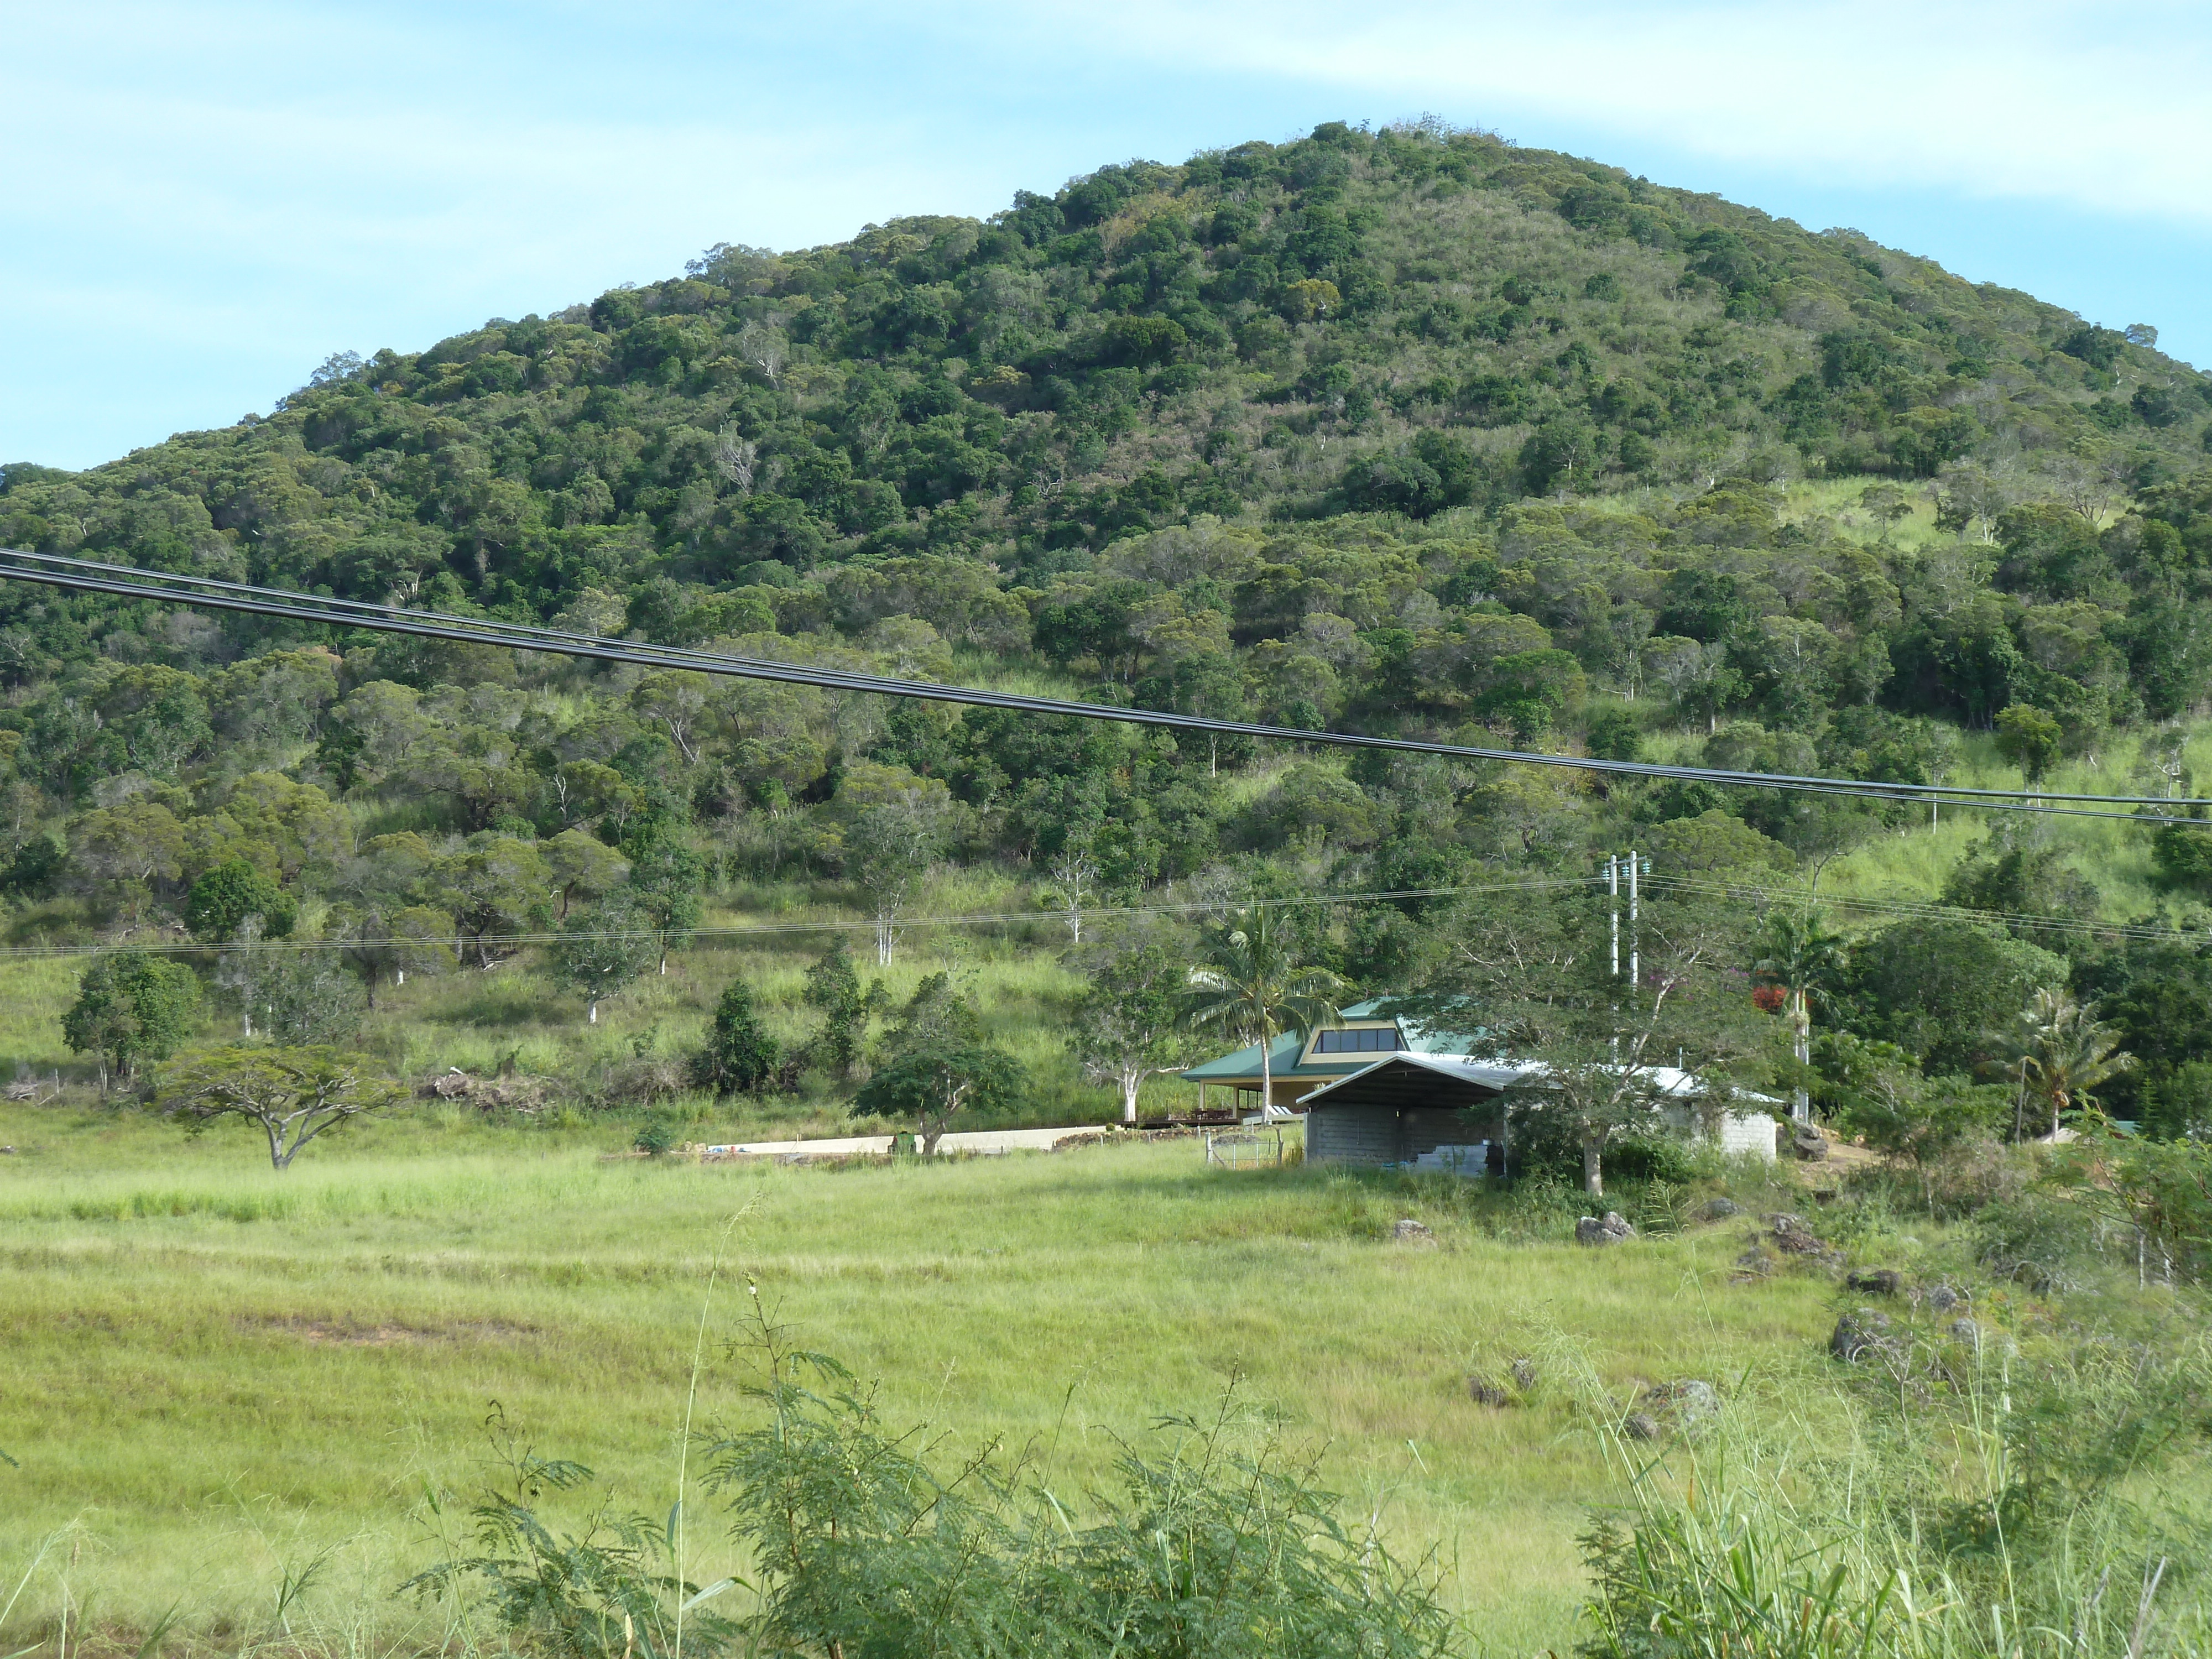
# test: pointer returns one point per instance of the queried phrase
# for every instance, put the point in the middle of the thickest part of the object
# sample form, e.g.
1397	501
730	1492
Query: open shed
1446	1111
1405	1107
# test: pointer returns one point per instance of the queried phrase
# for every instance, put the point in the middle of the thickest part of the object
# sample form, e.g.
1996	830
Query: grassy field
212	1373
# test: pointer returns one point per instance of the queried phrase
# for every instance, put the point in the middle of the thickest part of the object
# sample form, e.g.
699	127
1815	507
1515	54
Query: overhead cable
125	581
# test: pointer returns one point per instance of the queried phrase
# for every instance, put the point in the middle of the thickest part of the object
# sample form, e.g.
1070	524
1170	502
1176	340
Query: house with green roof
1301	1063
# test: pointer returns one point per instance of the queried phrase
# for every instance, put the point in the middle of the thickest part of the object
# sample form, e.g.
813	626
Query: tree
295	1095
1253	987
2030	738
130	1006
581	865
937	1077
740	1056
1800	958
1537	967
300	996
1875	1091
1124	1028
890	849
603	949
664	875
225	895
129	846
1073	883
1934	987
389	941
495	885
940	1062
2054	1050
833	987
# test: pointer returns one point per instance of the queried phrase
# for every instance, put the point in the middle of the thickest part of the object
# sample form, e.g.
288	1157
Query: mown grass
220	1370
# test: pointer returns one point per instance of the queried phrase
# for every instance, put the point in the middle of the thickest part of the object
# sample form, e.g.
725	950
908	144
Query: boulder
1484	1392
1640	1425
1810	1146
1410	1231
1874	1281
1524	1374
1968	1332
1941	1298
1860	1333
1685	1403
1719	1209
1610	1228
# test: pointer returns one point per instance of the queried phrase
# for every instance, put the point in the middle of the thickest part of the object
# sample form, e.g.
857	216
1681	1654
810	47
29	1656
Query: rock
1640	1425
1968	1332
1524	1374
1874	1281
1943	1298
1754	1263
1686	1403
1410	1231
1798	1242
1610	1228
1720	1209
1810	1146
1484	1392
1784	1222
1860	1333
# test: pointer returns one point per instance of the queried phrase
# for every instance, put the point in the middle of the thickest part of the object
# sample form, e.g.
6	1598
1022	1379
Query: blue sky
204	201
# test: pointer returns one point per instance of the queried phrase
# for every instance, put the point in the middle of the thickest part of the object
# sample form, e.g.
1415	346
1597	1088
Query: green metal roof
1244	1066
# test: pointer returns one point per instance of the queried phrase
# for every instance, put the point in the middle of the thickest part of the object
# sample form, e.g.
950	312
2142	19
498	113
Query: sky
205	201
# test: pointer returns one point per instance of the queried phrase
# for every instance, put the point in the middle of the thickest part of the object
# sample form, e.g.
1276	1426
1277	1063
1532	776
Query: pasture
214	1376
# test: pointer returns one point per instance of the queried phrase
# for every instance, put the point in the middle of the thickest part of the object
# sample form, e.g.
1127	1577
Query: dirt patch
360	1334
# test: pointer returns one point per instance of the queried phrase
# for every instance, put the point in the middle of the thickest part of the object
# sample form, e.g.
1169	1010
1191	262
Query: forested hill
1413	431
1404	321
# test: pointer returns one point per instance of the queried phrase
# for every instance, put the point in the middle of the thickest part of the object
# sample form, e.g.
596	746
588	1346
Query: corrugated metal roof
1284	1059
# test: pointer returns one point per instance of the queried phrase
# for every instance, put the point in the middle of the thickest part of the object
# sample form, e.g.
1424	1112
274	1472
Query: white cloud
2102	107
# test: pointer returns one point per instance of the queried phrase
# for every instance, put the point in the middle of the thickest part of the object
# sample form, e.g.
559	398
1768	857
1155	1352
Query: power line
207	592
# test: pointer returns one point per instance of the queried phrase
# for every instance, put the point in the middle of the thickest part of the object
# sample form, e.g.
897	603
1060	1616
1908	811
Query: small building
1447	1111
1299	1065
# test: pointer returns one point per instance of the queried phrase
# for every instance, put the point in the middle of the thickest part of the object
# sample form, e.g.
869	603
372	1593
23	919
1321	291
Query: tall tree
129	1007
739	1056
1801	959
2055	1051
939	1061
834	989
1253	986
1600	1048
294	1095
603	949
1126	1024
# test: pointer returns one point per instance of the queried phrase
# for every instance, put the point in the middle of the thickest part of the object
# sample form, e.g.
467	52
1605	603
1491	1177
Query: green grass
219	1371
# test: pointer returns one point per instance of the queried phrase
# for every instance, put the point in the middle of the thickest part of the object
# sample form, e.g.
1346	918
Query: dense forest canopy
1411	430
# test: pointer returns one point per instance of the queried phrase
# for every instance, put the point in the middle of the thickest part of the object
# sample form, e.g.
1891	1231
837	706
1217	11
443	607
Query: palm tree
1253	988
2057	1050
1801	957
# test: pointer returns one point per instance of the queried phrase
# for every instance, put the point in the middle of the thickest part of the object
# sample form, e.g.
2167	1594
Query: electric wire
130	582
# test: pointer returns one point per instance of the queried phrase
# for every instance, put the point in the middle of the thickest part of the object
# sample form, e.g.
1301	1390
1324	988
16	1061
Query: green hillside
1413	431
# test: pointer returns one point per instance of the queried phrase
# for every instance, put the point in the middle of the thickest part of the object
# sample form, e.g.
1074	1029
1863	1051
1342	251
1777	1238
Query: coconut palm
1253	988
1801	958
2054	1049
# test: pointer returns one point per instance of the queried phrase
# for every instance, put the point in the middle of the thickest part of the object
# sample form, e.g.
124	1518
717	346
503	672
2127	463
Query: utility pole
1613	887
1635	954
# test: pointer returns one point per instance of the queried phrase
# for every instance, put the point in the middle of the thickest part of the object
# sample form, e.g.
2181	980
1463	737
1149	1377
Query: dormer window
1371	1040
